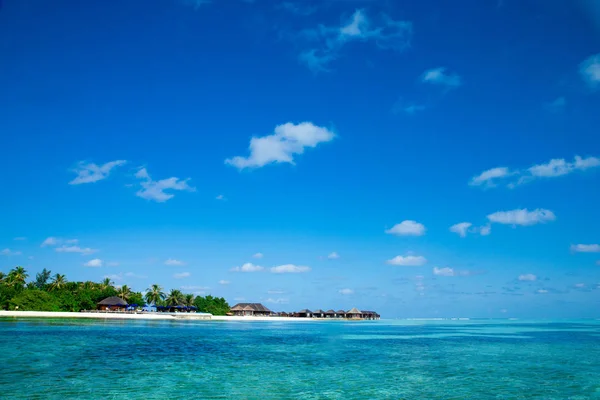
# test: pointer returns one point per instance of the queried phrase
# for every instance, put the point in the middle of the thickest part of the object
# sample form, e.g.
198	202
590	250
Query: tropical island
54	296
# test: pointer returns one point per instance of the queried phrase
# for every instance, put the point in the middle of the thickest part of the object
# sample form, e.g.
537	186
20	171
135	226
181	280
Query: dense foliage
55	293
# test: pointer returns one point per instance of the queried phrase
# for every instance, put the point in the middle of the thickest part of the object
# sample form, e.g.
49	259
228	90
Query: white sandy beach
144	316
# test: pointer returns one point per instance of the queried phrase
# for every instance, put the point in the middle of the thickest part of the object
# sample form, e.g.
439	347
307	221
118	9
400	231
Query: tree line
55	293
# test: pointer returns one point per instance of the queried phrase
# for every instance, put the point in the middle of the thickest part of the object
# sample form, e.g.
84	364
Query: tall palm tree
105	284
58	282
188	300
17	276
175	298
87	285
154	294
124	292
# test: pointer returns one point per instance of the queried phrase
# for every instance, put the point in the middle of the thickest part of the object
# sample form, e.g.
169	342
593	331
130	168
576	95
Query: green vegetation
55	293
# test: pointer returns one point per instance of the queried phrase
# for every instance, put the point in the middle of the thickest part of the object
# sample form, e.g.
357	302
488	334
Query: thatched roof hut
112	303
354	311
246	309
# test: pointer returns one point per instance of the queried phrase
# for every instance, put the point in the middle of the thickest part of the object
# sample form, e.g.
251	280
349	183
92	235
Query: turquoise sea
58	359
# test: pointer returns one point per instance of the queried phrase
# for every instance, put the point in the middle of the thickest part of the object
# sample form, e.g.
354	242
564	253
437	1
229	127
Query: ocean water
59	359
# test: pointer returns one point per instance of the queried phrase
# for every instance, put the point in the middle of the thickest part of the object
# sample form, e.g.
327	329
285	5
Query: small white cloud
461	228
51	241
488	178
407	228
407	261
438	76
20	238
181	275
541	291
527	277
276	291
586	248
346	291
96	262
485	230
290	269
446	271
224	282
288	140
75	249
114	277
579	285
333	256
258	255
194	287
277	301
220	197
248	267
239	298
522	217
9	252
90	172
172	261
590	71
156	190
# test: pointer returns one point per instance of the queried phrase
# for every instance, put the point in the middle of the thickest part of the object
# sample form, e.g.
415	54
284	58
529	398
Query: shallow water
295	360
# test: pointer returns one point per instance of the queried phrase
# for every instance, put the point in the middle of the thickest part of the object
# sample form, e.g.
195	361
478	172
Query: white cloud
96	262
488	178
248	267
527	277
51	241
75	249
172	261
156	190
281	147
88	173
114	277
328	41
407	228
220	197
181	275
438	76
20	238
290	269
275	291
258	255
277	301
586	248
485	230
579	285
590	71
408	261
9	252
224	282
346	291
522	217
447	271
551	169
194	287
333	256
542	291
461	228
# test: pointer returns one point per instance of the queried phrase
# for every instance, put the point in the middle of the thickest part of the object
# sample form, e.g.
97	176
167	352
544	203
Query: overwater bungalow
340	314
354	313
370	315
112	303
329	314
318	313
250	310
306	313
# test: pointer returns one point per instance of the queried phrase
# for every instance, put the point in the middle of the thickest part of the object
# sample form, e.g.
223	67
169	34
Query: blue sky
416	158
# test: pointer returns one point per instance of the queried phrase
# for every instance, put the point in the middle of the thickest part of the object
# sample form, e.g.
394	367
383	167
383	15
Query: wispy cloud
522	217
75	249
20	238
172	261
96	262
527	277
463	228
220	197
407	228
333	256
346	291
290	269
90	172
590	71
282	146
277	300
552	169
325	43
181	275
224	282
407	261
447	271
439	76
55	241
248	267
586	248
258	255
156	190
9	252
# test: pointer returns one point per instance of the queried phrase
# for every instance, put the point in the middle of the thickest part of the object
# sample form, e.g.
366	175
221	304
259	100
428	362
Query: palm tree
2	276
41	278
105	284
188	300
124	292
87	285
175	298
154	294
58	282
17	276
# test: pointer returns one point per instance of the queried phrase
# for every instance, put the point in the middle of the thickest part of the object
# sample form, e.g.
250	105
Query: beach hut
318	313
329	314
354	313
306	313
370	315
112	303
250	310
340	314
